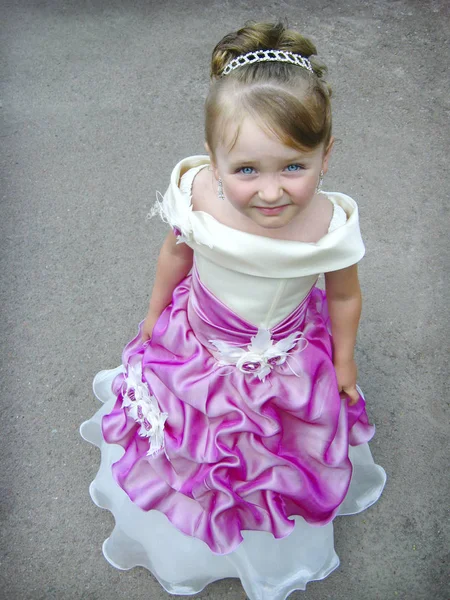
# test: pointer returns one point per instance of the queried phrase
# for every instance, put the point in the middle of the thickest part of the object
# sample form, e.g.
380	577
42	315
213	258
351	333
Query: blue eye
246	170
293	168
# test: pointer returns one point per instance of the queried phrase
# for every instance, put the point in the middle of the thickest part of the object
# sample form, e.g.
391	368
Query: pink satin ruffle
240	453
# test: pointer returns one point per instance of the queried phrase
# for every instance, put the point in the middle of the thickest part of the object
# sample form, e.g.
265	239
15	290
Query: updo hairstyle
287	100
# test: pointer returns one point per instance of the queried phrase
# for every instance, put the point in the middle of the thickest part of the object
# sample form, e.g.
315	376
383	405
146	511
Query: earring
319	183
220	193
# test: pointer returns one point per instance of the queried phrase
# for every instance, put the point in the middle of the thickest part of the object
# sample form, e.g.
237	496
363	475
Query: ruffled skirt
227	451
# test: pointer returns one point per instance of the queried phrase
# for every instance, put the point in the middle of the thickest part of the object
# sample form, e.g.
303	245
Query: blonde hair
287	100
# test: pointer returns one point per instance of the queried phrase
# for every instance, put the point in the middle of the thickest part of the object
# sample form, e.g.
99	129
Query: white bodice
259	278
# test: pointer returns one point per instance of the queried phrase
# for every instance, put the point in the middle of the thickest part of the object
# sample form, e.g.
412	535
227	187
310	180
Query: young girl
235	432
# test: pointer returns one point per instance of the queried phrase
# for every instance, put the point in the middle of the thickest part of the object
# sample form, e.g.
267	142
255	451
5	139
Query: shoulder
193	182
338	217
344	231
344	202
345	214
185	172
175	207
202	189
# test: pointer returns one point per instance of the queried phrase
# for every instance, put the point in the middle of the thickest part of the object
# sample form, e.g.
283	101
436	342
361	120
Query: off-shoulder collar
255	254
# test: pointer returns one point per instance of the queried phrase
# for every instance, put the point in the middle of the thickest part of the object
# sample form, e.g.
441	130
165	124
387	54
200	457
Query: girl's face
265	180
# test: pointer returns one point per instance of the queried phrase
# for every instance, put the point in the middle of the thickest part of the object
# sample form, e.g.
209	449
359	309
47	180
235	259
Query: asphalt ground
99	100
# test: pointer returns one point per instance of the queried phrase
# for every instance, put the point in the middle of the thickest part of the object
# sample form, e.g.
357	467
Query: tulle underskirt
269	568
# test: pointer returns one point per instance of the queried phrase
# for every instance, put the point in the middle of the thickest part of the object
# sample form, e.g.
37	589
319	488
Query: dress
226	450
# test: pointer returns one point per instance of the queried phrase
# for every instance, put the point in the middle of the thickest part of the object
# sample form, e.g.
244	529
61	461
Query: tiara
265	56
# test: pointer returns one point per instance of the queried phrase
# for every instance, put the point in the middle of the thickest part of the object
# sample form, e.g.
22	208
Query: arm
344	304
174	263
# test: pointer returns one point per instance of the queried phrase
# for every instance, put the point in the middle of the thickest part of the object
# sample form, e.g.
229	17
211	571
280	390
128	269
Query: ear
326	156
213	161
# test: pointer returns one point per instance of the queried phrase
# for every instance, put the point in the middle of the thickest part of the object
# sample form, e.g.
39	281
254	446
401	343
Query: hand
147	326
346	374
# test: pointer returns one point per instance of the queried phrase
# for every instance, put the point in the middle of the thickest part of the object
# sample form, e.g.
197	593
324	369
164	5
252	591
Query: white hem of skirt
269	569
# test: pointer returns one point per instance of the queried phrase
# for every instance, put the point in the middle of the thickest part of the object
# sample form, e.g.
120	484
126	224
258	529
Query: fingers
145	336
146	332
351	393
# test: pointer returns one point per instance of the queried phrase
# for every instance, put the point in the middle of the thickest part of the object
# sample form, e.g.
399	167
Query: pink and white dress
226	448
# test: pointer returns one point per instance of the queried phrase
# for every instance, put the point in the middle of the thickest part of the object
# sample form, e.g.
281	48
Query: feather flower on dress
261	355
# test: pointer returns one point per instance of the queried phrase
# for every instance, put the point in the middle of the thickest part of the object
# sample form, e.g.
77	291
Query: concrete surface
99	100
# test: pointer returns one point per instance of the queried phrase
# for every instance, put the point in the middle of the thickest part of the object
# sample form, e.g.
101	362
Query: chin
272	224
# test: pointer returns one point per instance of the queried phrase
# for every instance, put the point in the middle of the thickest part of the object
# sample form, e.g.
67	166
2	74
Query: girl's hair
287	100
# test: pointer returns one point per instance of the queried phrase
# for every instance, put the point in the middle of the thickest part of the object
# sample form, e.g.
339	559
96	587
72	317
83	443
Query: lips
274	210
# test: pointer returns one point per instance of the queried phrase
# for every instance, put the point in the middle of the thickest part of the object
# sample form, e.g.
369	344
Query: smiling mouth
271	210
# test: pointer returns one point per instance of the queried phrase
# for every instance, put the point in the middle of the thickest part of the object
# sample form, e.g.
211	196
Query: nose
270	190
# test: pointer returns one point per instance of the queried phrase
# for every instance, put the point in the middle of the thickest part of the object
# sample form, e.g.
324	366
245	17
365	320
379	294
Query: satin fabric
269	569
240	453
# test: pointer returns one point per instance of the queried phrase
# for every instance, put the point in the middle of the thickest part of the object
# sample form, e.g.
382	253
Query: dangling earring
319	183
220	193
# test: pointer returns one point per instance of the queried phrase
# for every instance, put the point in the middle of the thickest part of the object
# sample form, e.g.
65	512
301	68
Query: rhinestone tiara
265	56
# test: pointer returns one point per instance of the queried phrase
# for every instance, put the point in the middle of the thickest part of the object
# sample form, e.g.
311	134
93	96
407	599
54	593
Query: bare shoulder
328	210
314	225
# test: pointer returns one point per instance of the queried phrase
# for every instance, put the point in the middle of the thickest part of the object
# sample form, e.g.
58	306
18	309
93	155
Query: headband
265	56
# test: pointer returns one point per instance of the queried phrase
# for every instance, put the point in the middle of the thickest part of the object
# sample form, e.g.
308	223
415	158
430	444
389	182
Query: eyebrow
239	160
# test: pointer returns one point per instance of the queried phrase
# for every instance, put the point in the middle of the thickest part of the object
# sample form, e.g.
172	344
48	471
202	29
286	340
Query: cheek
239	193
304	190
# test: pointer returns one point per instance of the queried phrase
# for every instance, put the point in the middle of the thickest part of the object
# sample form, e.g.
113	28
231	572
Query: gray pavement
99	100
